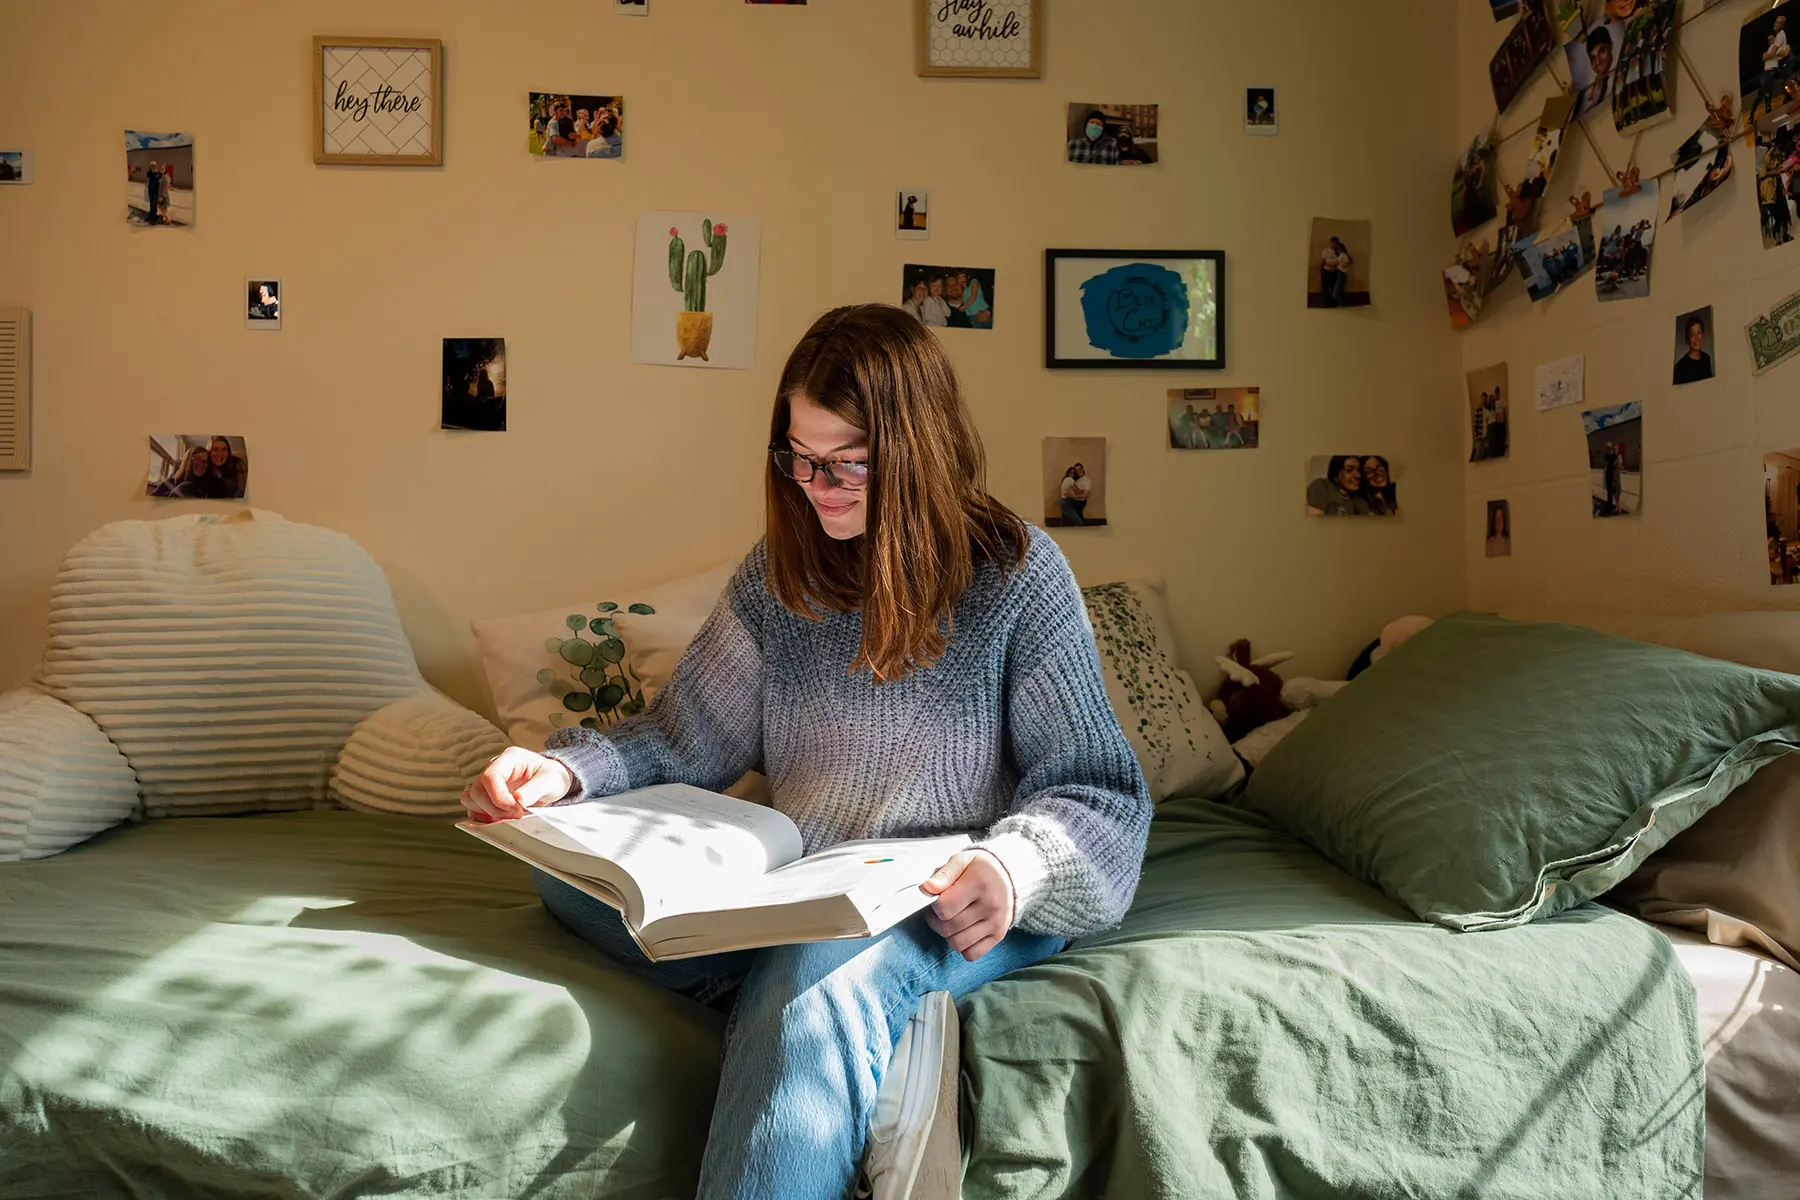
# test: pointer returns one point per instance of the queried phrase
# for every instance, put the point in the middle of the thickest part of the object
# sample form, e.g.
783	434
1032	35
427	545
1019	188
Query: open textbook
693	872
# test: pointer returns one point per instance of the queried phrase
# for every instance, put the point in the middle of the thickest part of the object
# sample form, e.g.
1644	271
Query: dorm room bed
337	1004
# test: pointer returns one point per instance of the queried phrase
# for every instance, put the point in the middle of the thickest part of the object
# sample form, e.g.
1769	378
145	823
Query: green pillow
1488	773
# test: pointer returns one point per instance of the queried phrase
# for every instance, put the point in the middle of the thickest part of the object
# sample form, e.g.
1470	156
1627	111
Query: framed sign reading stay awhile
994	39
378	101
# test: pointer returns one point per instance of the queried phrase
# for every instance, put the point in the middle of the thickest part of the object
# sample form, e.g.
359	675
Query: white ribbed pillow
228	658
414	757
61	781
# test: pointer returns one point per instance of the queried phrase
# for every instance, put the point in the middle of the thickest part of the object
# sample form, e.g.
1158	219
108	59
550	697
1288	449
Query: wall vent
15	389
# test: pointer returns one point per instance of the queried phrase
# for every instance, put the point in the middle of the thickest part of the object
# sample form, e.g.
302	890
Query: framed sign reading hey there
995	39
378	101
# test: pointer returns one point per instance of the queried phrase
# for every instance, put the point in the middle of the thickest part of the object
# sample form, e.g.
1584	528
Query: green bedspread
327	1004
1265	1026
333	1005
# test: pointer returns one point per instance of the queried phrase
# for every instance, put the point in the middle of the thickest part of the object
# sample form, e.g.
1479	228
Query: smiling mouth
834	510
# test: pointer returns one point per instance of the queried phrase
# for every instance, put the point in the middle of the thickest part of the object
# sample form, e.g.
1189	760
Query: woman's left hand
974	902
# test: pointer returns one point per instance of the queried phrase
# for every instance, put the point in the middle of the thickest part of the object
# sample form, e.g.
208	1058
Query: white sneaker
914	1150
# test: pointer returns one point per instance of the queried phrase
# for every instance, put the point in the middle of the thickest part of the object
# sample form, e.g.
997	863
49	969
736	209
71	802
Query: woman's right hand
516	781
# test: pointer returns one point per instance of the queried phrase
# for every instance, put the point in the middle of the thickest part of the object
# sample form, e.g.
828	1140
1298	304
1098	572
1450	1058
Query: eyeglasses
851	476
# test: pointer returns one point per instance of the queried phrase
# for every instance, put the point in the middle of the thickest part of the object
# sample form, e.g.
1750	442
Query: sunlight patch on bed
264	1015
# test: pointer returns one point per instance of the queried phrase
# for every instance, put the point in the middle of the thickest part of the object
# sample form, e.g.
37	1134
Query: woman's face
198	462
1499	522
1375	471
821	434
221	451
936	288
1077	471
919	291
1349	475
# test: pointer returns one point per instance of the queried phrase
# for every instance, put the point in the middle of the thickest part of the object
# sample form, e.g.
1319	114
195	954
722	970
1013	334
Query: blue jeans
808	1039
1074	512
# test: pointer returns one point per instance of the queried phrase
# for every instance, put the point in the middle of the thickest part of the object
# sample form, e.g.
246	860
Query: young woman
903	656
1072	495
1378	486
1340	492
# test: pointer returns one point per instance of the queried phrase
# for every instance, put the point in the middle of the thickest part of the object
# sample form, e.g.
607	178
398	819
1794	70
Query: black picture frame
1057	355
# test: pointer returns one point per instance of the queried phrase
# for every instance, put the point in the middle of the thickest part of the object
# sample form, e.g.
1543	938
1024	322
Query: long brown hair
930	518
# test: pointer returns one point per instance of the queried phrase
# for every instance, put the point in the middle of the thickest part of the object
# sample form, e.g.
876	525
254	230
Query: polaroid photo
1489	393
1767	61
1112	135
1499	529
1464	292
1641	80
1694	346
1528	43
1214	418
949	297
1628	235
1350	485
1702	163
1546	146
1074	481
1615	443
262	303
1570	18
1260	119
474	384
912	214
198	466
1591	58
1778	174
1472	202
1549	264
631	8
565	125
1781	512
15	166
159	178
1338	252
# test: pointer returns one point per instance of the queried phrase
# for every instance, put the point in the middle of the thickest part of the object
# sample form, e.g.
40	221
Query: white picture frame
378	101
979	39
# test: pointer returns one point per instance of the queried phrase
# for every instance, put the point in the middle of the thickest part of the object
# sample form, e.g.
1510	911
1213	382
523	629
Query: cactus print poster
693	299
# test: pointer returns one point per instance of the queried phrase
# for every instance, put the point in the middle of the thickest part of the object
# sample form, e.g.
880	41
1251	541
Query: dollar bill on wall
1775	337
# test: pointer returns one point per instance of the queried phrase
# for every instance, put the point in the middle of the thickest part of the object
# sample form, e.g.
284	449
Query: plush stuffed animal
1395	632
1254	696
1251	693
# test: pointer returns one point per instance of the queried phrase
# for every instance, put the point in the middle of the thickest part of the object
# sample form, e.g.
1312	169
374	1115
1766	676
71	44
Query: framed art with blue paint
1134	308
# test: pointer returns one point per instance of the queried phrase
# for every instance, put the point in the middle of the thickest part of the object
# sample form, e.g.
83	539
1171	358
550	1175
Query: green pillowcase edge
1567	882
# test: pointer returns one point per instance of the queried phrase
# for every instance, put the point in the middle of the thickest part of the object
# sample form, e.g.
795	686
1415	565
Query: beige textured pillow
528	670
1734	874
1179	747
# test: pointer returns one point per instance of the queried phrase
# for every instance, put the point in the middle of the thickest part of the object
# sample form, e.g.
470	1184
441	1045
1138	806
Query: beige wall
614	475
1698	543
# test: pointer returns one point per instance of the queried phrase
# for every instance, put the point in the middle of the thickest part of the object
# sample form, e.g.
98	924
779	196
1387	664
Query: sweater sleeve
704	728
1073	842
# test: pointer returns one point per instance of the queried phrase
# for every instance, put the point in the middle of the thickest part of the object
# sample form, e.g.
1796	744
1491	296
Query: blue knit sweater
1008	736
